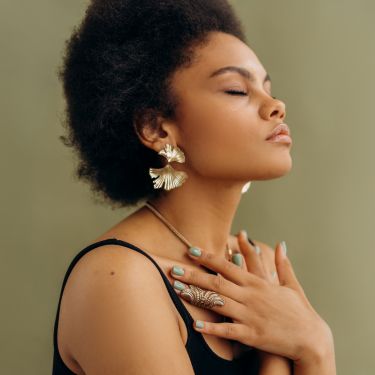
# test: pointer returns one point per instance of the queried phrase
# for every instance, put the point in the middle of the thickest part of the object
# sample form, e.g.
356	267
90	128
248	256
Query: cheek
220	139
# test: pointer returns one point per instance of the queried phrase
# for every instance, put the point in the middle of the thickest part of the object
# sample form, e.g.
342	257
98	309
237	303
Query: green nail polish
199	324
283	244
273	274
257	249
195	251
178	270
178	285
237	259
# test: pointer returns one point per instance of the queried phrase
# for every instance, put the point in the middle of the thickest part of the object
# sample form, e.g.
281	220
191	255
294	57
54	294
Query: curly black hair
116	73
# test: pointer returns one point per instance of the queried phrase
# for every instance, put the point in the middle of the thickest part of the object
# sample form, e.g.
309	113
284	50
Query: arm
272	364
122	318
322	364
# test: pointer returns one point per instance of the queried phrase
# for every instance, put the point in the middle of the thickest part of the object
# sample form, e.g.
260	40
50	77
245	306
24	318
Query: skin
212	124
212	121
295	327
223	138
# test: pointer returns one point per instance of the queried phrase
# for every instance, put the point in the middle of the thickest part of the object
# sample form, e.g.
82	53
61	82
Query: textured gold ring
201	297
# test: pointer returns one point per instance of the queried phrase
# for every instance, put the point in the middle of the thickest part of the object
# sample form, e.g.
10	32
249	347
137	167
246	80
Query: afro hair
116	70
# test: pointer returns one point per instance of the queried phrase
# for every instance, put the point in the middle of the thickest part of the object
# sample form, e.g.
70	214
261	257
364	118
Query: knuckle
209	256
229	330
193	276
228	266
258	334
218	282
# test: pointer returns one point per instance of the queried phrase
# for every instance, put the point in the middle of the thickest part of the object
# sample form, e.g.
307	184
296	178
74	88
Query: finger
237	257
230	308
274	278
267	257
221	265
238	260
252	255
216	283
259	262
232	331
285	270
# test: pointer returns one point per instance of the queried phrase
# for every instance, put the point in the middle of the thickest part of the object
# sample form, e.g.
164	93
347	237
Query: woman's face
223	134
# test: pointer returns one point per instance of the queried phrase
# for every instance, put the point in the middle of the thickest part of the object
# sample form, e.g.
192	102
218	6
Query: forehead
221	50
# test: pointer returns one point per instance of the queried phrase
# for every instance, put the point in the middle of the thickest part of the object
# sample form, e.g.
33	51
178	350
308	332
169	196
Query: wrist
320	364
319	357
319	345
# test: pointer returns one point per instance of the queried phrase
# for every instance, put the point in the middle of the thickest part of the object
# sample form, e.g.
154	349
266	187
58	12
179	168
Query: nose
271	109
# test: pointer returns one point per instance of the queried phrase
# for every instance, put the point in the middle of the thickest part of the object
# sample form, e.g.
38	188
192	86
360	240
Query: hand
262	263
274	318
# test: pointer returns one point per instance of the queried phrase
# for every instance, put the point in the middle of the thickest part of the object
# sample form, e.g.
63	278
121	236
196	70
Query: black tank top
203	359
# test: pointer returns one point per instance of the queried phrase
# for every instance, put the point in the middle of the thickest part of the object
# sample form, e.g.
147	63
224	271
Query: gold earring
168	175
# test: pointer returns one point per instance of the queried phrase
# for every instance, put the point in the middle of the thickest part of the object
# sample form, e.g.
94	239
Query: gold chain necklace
178	234
183	239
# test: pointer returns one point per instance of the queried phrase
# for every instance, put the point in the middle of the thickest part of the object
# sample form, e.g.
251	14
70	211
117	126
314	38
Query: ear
154	131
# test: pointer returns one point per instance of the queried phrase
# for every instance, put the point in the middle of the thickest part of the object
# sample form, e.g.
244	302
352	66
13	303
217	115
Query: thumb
285	272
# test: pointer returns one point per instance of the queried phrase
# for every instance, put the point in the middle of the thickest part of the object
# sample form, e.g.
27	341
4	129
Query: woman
168	104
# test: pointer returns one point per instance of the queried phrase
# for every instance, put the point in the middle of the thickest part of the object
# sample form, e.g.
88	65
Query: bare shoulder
118	311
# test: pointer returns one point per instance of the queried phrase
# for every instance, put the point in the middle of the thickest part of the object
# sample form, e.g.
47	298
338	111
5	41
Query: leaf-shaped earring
167	175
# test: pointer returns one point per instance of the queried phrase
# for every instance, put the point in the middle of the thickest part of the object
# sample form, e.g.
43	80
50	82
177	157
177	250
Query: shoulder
108	309
112	264
111	255
113	271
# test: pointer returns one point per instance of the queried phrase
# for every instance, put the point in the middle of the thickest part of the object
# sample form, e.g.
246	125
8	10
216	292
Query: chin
276	168
283	167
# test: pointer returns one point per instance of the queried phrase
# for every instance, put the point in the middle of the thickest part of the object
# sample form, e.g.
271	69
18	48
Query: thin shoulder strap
188	319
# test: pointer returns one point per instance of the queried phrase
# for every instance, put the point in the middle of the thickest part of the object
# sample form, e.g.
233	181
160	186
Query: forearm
272	364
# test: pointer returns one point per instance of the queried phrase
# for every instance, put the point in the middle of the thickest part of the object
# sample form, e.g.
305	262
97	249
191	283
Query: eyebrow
242	71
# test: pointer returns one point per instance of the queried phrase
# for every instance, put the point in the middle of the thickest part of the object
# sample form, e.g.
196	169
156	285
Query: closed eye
234	92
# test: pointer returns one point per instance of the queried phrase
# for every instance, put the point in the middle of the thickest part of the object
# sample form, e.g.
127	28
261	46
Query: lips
280	129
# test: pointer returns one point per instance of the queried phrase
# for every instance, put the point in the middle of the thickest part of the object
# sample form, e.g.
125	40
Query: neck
202	212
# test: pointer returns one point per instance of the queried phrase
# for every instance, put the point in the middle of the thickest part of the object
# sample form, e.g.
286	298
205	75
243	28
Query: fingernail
244	232
178	285
178	270
273	274
283	244
199	324
257	249
237	259
195	251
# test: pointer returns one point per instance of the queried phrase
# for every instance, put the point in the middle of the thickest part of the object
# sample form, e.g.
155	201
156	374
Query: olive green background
321	57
